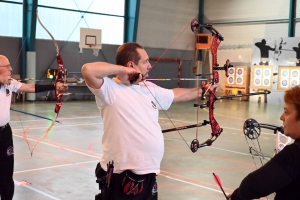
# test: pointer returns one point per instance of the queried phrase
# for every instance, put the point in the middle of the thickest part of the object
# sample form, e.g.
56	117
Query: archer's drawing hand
210	87
130	76
214	86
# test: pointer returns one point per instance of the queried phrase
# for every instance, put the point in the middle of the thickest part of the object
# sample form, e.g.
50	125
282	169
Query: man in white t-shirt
7	86
132	142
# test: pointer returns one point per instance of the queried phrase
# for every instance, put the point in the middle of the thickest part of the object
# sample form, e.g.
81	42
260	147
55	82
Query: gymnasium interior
259	46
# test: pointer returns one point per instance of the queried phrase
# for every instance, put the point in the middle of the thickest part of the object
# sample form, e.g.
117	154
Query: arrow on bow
173	79
60	77
218	181
27	113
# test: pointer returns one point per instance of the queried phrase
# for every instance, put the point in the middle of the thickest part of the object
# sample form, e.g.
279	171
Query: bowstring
256	149
168	48
198	105
24	134
23	42
166	114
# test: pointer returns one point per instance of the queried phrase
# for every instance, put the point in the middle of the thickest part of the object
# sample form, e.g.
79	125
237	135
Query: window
64	18
112	7
64	22
11	16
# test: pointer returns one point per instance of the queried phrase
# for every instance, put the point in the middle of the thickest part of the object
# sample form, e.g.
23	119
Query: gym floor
63	163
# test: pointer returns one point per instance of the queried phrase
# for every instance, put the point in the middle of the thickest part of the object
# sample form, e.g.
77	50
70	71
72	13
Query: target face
239	71
266	81
231	71
294	83
284	73
239	80
257	72
257	81
284	82
295	74
267	72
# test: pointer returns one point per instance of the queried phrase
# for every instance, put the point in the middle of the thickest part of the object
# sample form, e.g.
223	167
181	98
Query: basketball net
95	48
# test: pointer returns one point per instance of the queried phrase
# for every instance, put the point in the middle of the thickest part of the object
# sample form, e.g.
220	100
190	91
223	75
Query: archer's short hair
128	52
293	96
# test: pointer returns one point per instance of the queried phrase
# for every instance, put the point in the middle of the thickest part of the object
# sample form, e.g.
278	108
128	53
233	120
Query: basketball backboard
90	39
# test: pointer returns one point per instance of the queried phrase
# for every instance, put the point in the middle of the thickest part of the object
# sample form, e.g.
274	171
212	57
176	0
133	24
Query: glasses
7	92
7	66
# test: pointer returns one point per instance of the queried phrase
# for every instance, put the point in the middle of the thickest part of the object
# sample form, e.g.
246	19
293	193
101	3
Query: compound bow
216	130
215	127
252	131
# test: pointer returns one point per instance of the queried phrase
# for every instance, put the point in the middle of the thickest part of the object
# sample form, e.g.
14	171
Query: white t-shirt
5	100
132	135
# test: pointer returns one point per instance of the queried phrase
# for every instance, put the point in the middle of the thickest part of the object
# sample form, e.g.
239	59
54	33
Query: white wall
161	21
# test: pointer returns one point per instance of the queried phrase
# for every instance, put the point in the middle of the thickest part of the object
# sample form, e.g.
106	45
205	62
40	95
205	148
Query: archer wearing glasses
7	86
7	66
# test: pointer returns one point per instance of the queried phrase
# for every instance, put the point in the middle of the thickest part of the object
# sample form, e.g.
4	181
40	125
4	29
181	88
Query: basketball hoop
96	51
95	48
90	39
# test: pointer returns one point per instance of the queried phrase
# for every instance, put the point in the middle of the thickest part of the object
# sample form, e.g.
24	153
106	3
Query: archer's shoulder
289	159
291	147
290	152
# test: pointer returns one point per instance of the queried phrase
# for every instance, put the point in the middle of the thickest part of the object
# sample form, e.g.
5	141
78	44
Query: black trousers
122	186
6	163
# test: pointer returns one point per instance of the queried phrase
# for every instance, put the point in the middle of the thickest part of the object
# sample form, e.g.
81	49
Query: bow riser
215	127
214	50
60	77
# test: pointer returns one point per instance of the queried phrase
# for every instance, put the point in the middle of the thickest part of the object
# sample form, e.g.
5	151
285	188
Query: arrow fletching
218	181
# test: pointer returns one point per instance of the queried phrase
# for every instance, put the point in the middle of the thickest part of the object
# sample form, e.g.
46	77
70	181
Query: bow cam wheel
194	145
251	129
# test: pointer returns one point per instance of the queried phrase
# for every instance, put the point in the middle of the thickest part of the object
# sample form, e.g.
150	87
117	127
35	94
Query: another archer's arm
35	88
28	88
272	49
258	44
94	73
274	176
187	94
